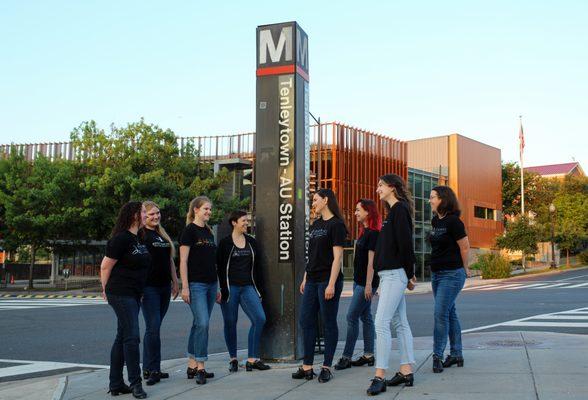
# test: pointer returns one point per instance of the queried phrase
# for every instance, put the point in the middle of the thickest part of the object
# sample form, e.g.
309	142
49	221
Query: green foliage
493	266
571	220
583	257
519	235
538	190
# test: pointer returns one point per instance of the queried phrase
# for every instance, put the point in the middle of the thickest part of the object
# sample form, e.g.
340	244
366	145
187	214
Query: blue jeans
314	301
392	310
251	303
126	344
202	298
360	308
446	286
154	306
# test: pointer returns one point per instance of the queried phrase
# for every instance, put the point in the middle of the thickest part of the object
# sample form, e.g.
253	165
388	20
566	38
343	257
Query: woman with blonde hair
199	282
162	283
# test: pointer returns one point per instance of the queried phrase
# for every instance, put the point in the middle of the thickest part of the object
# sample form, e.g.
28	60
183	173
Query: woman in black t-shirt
323	283
394	262
239	278
449	269
365	284
199	282
162	283
123	273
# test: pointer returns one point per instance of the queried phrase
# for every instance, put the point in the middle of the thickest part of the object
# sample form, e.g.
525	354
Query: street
81	331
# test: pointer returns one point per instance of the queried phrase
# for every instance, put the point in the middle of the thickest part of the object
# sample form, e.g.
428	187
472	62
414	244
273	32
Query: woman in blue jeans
162	283
199	283
394	261
449	269
123	274
240	282
365	284
322	284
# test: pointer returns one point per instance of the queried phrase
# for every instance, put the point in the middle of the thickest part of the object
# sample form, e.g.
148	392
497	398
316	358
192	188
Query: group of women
138	272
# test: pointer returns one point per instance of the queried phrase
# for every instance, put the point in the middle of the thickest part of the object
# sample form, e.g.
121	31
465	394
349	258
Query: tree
538	190
571	227
42	203
519	235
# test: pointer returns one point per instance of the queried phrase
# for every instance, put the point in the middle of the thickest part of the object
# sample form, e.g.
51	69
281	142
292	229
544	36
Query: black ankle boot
302	374
343	363
121	390
233	366
201	377
450	360
399	379
437	364
325	375
138	392
257	364
363	360
378	386
191	373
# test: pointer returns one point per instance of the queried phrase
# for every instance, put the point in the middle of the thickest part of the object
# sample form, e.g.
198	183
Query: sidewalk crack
530	366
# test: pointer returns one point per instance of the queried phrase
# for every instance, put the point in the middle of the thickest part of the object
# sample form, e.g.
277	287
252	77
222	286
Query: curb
60	389
50	296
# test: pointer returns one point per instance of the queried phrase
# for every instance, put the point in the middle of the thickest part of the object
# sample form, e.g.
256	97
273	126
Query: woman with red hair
365	284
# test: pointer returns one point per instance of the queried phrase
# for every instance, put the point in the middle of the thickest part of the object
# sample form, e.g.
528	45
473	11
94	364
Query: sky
403	69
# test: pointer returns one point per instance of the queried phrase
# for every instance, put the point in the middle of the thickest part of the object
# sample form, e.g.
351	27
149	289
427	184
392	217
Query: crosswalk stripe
549	324
555	316
550	286
480	287
527	286
578	285
504	286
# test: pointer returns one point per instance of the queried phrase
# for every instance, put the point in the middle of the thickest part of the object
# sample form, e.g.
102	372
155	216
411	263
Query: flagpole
521	148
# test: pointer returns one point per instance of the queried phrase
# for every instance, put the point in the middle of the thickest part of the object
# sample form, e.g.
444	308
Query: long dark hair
374	221
401	191
449	203
331	203
127	216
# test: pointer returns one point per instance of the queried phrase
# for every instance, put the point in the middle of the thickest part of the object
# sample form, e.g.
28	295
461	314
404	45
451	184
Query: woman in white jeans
394	261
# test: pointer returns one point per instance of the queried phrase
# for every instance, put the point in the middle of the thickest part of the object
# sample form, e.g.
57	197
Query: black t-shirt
323	235
240	266
160	250
202	257
129	274
395	248
444	235
364	244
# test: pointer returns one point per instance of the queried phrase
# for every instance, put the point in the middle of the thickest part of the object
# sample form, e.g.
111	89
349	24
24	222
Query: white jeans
392	309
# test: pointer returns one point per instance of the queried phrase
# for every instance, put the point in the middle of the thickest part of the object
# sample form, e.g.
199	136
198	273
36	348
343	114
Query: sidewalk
503	365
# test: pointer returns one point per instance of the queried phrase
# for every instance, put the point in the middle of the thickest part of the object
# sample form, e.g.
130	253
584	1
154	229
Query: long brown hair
159	229
332	203
400	190
127	216
197	202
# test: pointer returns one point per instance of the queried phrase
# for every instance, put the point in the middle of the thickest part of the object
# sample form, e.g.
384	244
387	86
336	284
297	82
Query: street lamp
551	215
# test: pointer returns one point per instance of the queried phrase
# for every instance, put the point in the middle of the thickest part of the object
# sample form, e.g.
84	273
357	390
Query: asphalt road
84	333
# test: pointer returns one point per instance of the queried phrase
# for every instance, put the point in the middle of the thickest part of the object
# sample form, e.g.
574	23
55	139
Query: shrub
583	257
493	266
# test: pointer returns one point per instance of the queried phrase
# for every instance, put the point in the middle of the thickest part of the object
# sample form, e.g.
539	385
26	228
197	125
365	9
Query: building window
484	213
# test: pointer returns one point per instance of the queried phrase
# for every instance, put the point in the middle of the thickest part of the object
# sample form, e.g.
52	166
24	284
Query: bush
493	266
583	257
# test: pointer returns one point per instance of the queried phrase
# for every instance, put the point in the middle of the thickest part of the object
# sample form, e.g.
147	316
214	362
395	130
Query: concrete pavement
504	365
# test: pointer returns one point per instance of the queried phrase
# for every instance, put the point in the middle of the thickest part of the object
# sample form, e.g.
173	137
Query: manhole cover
506	343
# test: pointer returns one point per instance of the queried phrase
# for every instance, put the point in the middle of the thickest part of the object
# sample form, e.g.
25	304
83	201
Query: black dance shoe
378	386
437	364
399	379
363	360
450	360
257	364
325	375
138	392
121	390
233	366
343	363
302	374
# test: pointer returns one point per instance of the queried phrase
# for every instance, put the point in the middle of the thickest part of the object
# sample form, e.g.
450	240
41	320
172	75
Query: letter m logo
278	52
